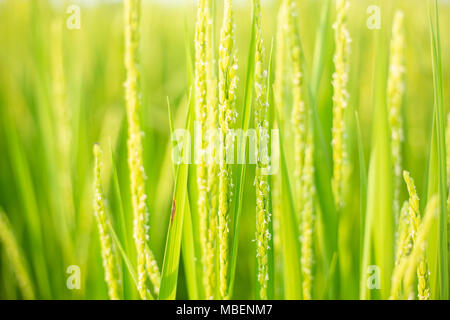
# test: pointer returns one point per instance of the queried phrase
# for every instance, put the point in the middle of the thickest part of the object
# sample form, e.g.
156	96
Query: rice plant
227	96
109	255
15	256
224	150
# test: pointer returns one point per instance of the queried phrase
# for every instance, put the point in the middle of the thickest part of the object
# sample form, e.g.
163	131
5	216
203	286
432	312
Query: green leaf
437	175
363	184
180	205
240	179
187	244
379	224
289	235
328	225
22	174
320	46
122	227
125	258
169	275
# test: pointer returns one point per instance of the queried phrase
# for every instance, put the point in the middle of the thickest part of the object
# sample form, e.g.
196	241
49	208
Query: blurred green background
61	90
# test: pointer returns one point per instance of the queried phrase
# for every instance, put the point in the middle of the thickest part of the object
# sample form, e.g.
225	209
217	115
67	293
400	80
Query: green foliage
62	90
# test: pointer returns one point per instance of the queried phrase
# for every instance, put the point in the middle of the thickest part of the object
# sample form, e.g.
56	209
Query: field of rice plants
224	149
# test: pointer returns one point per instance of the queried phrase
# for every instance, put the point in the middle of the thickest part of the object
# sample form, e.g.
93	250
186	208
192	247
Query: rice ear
16	258
340	98
134	143
109	255
227	117
394	99
261	180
